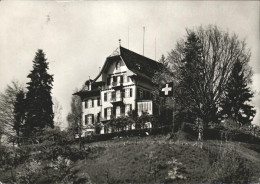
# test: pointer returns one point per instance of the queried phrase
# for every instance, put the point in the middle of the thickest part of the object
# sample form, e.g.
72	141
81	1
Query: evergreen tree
237	94
38	99
191	81
19	112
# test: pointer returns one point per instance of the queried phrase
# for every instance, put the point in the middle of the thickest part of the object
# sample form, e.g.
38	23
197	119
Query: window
109	96
98	101
118	64
105	97
128	108
118	95
89	119
90	103
86	104
131	92
114	78
140	93
127	92
121	79
117	111
105	113
144	107
125	78
109	112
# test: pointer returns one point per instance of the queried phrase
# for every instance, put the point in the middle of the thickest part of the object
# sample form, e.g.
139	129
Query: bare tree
7	102
74	118
220	50
57	109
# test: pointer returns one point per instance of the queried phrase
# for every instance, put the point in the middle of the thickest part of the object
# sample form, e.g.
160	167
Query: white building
123	84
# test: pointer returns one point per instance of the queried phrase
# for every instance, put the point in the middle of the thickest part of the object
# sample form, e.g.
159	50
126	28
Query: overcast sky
77	36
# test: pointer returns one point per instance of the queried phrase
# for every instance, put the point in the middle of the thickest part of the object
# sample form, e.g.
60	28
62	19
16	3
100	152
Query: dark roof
139	64
85	94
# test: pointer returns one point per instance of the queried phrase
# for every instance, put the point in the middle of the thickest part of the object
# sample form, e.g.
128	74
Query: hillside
150	159
157	160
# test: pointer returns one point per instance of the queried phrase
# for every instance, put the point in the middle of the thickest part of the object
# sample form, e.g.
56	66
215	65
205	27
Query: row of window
143	94
90	119
119	110
118	79
128	92
90	103
144	107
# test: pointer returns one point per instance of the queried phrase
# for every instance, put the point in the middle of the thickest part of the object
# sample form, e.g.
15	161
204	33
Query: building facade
123	84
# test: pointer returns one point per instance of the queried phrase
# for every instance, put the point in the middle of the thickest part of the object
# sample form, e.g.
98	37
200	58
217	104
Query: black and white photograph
129	92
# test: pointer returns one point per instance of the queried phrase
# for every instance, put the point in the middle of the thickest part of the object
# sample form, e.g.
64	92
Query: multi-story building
123	84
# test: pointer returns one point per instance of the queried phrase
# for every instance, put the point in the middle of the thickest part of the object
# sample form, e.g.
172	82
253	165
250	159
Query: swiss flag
167	90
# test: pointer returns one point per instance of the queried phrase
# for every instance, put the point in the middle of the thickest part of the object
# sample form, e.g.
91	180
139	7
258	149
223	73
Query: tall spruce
38	99
235	106
19	113
191	84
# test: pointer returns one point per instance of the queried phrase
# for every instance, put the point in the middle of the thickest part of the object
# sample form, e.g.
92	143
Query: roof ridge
139	54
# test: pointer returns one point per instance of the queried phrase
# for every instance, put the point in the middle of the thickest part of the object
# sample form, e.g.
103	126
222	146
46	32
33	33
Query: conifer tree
191	81
237	95
38	99
19	112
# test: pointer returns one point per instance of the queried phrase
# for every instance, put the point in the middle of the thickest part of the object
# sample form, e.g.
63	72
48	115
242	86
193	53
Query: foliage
19	113
74	117
228	167
38	99
237	94
47	161
201	66
7	102
57	110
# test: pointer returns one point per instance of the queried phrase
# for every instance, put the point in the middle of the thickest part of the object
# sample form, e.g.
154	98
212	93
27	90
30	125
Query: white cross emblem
166	89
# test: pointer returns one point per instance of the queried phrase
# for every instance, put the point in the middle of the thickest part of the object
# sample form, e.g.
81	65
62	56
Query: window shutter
131	91
92	118
123	93
86	119
86	104
105	114
138	93
121	79
105	97
122	110
114	78
130	107
92	102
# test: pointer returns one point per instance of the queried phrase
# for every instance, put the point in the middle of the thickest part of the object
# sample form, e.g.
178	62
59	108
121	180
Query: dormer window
138	66
118	64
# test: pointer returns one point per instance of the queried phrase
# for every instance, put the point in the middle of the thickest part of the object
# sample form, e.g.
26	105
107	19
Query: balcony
116	85
117	100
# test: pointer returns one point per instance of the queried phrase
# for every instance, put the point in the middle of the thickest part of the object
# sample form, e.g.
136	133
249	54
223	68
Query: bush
228	167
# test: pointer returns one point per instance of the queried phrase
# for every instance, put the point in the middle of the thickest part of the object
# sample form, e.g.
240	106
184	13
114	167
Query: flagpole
173	115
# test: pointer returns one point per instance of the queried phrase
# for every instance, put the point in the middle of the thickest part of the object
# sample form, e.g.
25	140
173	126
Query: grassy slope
154	160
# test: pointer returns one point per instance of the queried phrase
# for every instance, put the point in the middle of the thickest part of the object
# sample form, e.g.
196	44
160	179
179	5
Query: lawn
154	159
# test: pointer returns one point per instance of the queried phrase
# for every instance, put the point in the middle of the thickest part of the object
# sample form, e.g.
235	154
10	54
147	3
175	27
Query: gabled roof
140	65
137	63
